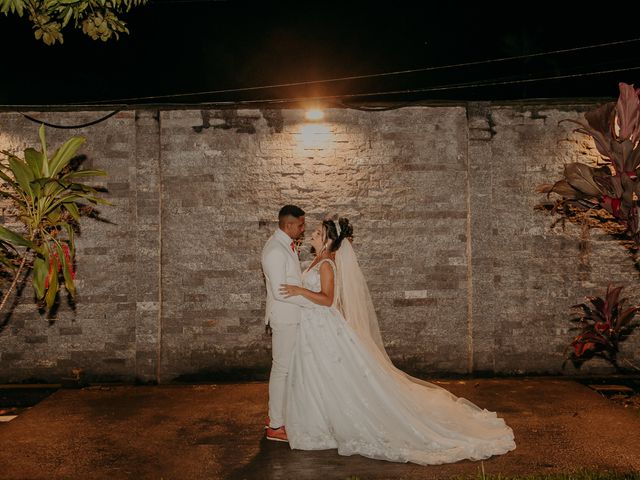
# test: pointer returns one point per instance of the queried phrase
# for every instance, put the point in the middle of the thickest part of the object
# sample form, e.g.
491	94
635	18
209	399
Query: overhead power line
420	90
362	95
359	77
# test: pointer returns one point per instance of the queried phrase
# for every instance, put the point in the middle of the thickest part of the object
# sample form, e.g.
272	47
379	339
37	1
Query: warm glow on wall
314	114
314	136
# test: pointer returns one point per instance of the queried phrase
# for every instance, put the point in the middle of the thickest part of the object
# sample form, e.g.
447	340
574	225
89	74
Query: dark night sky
197	45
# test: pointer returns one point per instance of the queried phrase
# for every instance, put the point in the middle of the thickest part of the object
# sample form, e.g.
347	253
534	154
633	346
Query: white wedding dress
344	393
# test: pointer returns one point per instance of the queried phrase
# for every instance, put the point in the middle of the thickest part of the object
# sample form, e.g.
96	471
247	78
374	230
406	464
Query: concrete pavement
215	432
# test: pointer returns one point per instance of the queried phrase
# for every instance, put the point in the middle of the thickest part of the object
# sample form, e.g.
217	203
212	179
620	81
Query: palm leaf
597	302
613	294
34	160
63	199
50	296
14	238
8	179
601	119
53	188
40	270
626	316
23	175
78	195
72	208
64	154
84	173
43	144
562	188
583	306
633	160
70	238
580	177
628	111
595	337
54	215
598	125
621	153
68	281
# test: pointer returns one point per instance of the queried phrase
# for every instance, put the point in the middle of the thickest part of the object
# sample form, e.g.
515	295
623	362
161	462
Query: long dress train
342	394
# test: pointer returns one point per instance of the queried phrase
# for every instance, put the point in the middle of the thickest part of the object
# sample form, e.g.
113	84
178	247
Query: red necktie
293	247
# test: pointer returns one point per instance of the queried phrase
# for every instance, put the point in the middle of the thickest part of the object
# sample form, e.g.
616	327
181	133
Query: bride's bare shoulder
327	265
326	270
326	255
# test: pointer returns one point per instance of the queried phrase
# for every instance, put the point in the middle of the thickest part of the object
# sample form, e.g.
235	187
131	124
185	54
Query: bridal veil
354	301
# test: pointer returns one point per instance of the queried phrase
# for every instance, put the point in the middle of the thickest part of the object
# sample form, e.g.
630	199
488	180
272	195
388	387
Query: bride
343	390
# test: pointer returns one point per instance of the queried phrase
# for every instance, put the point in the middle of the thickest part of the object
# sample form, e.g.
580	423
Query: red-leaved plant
613	186
604	323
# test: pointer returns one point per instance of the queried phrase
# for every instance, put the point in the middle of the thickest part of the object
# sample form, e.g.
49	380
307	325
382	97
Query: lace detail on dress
342	394
311	280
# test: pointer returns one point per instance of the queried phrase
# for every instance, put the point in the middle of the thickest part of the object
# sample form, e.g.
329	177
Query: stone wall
466	276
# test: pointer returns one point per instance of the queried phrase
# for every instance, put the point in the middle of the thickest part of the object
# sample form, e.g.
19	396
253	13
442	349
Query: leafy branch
97	18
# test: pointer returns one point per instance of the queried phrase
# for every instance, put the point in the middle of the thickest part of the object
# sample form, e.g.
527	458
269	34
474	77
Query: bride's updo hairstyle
346	231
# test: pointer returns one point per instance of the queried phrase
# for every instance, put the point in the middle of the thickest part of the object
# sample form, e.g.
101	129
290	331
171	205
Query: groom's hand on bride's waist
287	290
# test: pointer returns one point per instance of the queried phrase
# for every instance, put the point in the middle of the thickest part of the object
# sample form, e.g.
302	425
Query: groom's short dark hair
290	210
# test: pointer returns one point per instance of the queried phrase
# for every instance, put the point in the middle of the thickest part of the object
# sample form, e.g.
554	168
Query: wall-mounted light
314	114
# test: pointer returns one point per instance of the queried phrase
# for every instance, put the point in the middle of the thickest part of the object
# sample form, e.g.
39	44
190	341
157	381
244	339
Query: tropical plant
97	18
47	199
613	185
604	194
603	324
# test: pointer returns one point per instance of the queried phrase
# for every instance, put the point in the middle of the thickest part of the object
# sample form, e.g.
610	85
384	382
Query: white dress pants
282	342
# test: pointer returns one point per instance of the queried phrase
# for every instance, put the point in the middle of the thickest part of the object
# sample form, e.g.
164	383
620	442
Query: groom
280	264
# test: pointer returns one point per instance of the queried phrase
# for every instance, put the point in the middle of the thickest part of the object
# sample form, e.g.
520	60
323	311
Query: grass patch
584	474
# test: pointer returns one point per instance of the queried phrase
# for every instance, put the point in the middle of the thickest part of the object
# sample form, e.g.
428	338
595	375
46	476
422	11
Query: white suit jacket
280	265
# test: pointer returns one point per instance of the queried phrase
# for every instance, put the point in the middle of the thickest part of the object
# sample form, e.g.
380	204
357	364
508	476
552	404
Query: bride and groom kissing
332	384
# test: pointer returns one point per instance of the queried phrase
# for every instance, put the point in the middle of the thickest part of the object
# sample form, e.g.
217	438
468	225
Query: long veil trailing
354	301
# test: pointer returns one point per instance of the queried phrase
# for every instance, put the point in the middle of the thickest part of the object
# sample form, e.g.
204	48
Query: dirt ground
215	432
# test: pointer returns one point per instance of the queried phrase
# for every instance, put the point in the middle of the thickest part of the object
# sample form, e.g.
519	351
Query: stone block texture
466	276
